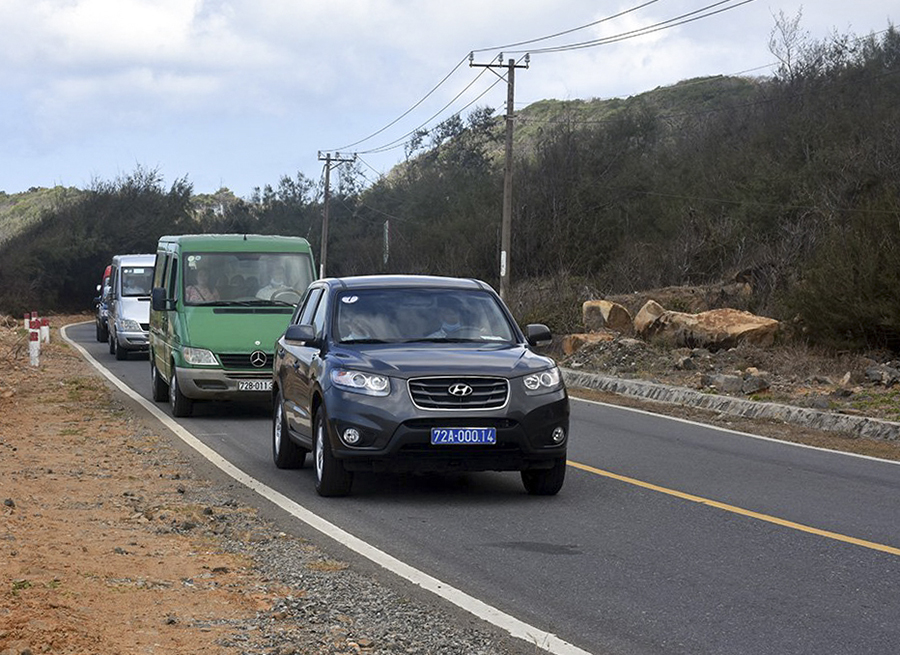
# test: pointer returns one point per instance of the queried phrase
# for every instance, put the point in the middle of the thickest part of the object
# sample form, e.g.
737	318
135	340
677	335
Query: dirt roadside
95	538
110	541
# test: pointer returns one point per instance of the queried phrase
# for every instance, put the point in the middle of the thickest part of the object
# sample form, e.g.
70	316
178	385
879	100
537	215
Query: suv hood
417	360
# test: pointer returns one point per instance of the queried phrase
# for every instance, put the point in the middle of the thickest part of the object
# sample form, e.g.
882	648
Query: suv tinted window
309	307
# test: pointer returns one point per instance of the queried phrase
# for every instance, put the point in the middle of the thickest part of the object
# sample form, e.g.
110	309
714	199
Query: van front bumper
221	384
133	341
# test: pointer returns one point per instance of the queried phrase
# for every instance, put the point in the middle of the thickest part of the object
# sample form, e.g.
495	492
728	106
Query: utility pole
506	221
336	160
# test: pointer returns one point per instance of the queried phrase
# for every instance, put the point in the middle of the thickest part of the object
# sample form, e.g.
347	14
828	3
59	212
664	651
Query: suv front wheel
332	479
286	453
545	482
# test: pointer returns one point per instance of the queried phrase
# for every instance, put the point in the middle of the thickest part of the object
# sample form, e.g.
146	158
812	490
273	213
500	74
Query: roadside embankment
858	426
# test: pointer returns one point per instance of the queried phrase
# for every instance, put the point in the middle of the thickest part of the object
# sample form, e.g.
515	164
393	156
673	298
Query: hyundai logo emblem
258	358
460	390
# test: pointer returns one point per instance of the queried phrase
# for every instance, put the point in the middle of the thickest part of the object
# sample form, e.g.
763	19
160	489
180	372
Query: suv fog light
559	435
351	436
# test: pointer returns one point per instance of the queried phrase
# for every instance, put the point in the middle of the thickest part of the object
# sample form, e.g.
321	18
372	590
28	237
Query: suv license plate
254	385
456	436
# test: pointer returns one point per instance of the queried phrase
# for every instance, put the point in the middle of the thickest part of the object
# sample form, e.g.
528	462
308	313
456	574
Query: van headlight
199	357
543	382
128	325
359	382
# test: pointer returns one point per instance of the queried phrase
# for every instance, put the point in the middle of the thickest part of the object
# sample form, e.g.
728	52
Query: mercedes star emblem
258	358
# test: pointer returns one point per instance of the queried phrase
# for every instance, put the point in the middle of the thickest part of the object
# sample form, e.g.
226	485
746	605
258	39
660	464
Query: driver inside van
276	284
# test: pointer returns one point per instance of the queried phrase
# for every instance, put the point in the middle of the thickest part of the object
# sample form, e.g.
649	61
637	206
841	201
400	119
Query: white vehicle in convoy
128	318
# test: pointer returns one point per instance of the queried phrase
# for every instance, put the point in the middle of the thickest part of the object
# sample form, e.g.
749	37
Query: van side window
309	307
173	277
159	270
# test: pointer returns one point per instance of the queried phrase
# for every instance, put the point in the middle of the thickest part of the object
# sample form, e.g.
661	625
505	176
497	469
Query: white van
128	316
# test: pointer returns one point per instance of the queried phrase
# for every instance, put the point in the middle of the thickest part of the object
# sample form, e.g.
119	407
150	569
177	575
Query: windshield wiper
442	340
366	340
257	303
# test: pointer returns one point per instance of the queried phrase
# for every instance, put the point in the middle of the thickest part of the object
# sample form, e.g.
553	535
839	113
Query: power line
570	31
400	141
455	68
683	19
408	111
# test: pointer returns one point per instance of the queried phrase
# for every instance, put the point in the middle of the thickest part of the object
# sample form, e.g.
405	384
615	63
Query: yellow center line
738	510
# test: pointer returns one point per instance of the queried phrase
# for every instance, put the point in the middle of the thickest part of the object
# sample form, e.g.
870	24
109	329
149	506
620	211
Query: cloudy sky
238	93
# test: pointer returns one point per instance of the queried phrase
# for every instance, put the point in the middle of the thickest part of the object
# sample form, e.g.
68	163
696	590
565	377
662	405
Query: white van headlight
543	382
128	325
199	357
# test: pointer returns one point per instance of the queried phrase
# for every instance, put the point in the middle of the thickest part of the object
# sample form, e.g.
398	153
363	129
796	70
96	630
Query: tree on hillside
57	262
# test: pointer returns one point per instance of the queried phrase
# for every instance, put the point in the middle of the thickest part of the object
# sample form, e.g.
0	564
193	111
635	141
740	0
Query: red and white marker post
34	348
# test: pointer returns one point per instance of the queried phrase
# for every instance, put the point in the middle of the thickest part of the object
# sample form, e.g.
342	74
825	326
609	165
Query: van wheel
545	482
121	353
182	406
111	340
159	389
286	453
332	479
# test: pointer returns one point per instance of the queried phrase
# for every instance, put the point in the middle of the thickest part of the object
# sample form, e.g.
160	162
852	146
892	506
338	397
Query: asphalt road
668	537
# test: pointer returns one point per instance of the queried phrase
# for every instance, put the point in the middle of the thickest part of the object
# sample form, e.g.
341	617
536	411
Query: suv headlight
359	382
543	382
199	357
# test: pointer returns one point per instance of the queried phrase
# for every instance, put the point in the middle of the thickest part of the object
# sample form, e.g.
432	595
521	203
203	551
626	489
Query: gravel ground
326	605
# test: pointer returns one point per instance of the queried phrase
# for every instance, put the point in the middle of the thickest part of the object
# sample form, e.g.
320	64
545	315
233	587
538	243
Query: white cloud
165	81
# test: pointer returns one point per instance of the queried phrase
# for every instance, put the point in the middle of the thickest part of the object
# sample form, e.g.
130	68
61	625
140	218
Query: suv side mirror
538	334
305	334
159	302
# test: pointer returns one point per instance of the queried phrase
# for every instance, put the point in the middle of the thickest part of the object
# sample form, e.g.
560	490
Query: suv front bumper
396	435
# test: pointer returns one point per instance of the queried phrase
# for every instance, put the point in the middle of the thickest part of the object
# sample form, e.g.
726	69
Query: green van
218	304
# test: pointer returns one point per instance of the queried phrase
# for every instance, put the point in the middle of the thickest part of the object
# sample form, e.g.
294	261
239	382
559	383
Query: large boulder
646	320
605	314
574	342
715	329
690	299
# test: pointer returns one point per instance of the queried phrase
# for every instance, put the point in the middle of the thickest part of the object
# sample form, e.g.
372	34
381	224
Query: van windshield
137	280
246	277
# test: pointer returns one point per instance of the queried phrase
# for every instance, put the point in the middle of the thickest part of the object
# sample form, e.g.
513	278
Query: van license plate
254	385
456	436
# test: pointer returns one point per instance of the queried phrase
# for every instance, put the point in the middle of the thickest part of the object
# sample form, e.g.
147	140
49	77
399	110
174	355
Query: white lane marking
519	629
736	432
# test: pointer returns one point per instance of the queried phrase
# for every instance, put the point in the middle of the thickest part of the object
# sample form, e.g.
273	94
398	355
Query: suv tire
545	482
286	453
332	479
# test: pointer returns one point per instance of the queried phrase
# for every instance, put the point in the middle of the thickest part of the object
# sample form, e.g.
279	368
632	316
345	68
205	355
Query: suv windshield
246	278
136	280
420	315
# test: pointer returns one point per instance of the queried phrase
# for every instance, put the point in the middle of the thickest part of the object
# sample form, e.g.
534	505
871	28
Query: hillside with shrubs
789	183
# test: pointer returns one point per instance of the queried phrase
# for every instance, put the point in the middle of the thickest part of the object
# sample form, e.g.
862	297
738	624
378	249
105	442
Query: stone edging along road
861	426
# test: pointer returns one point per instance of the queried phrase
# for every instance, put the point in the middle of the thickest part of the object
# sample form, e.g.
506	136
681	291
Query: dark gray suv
415	373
